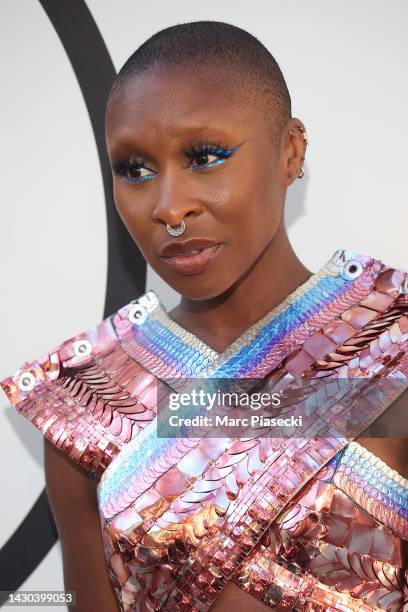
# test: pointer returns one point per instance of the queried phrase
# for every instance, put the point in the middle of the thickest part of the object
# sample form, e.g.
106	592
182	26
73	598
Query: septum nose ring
176	230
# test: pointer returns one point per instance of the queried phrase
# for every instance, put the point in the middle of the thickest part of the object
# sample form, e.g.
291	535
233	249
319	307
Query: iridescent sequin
182	517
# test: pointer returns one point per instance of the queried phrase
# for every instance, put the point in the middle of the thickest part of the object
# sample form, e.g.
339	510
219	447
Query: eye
207	155
132	171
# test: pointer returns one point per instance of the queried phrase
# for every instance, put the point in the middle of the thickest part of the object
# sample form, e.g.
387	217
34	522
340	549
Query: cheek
128	210
252	211
121	201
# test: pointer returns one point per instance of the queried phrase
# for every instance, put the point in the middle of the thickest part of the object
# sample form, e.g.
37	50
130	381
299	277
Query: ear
293	150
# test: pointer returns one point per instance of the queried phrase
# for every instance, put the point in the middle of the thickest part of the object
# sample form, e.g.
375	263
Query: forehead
177	103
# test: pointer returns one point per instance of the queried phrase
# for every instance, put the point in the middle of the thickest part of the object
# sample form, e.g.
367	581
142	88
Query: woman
203	148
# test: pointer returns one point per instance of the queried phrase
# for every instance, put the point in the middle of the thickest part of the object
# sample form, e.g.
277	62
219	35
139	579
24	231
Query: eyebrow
198	127
125	134
126	138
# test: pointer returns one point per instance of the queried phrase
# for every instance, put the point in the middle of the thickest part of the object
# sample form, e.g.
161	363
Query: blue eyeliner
140	179
221	152
126	166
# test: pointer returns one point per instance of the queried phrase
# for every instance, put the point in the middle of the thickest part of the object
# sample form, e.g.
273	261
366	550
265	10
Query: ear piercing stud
303	132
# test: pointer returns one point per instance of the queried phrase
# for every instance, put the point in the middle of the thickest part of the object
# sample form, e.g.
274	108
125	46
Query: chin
196	287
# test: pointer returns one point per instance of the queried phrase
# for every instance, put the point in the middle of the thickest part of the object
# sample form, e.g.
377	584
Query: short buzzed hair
242	60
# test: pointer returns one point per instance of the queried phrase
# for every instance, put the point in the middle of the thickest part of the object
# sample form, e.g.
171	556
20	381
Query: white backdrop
345	65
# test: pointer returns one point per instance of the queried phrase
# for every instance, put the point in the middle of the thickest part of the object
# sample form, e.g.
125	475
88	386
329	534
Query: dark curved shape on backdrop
27	546
126	274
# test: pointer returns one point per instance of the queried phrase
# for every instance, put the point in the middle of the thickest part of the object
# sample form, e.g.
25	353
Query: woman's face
158	132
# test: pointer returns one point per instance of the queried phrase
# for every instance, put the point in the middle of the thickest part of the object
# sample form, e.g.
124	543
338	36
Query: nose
174	199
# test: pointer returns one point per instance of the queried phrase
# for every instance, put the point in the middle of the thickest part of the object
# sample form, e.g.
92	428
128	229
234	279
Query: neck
221	320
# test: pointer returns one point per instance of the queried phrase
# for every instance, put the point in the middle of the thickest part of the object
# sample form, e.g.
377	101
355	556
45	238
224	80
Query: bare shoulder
64	478
72	496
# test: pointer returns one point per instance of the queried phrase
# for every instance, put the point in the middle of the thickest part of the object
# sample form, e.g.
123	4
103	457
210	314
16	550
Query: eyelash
121	167
210	149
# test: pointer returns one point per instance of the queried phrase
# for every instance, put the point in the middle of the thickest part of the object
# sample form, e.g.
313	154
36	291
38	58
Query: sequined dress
315	523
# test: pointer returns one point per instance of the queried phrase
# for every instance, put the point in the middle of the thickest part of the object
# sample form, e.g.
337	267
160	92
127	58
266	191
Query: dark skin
240	203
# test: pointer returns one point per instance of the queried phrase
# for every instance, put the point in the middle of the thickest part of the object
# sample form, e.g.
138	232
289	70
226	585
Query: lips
186	247
196	262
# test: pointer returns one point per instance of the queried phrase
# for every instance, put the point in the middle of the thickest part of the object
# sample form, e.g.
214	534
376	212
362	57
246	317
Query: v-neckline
172	346
335	264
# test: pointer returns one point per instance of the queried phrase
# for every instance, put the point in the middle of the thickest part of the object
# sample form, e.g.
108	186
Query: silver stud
352	269
137	314
404	286
82	348
26	381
